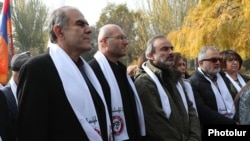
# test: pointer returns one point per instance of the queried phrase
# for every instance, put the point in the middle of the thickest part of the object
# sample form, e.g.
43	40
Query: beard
164	64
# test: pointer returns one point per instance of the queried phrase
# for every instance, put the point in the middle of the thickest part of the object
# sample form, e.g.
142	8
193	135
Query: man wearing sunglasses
213	99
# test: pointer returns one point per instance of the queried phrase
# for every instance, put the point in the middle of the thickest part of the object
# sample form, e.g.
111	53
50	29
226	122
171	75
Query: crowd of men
60	96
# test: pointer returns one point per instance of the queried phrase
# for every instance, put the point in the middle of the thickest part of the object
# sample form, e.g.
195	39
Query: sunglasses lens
214	60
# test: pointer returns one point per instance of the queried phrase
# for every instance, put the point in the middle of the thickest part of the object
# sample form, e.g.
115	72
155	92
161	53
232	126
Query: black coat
12	108
45	113
5	130
206	101
232	89
127	95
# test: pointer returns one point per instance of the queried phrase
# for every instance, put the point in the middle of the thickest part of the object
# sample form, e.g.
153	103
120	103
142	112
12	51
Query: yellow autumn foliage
221	23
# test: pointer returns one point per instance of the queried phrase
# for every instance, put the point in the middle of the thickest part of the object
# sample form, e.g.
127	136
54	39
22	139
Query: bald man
119	91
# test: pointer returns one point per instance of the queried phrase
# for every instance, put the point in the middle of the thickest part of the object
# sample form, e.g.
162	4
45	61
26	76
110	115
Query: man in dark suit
211	93
10	89
57	100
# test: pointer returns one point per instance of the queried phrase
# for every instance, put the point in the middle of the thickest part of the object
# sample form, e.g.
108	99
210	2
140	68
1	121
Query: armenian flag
5	34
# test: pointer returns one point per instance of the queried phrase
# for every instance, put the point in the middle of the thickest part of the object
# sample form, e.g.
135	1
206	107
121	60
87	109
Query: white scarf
120	134
190	93
241	81
13	87
183	96
163	96
224	99
78	92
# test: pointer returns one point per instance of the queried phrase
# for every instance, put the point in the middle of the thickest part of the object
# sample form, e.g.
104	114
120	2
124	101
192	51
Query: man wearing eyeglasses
119	91
213	99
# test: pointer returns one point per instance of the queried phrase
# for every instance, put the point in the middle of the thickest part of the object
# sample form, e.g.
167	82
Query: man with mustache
60	98
119	90
168	116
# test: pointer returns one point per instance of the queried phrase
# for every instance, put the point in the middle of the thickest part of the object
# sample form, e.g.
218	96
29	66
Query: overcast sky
90	8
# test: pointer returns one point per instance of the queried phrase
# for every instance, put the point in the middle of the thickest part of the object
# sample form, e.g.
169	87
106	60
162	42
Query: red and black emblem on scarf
117	125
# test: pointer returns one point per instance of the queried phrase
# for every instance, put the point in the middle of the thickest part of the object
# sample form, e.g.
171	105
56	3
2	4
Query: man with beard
167	116
211	93
119	90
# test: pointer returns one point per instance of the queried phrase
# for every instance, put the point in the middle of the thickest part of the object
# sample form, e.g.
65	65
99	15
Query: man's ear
104	40
150	56
58	31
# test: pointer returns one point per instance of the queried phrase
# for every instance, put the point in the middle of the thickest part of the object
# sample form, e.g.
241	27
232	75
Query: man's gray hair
203	51
58	17
150	45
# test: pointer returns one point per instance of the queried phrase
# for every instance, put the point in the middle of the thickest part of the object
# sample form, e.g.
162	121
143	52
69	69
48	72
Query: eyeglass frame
120	37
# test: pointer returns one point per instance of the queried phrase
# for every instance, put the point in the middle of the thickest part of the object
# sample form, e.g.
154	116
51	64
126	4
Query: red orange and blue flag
5	34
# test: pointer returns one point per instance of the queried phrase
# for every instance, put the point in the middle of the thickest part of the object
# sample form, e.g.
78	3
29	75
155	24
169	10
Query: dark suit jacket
45	113
5	131
206	101
12	108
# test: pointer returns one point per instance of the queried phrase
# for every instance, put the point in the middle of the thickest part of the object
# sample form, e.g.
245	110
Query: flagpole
12	50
